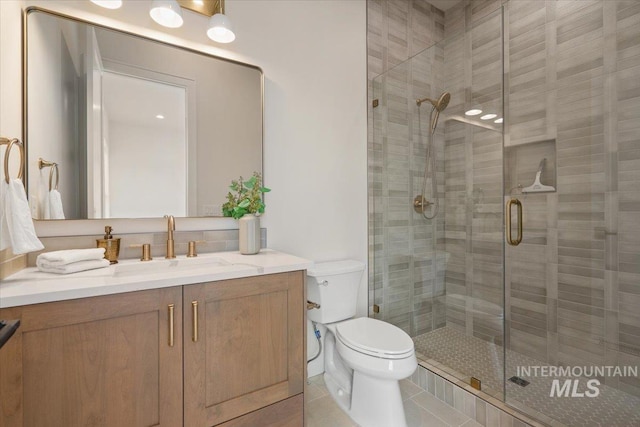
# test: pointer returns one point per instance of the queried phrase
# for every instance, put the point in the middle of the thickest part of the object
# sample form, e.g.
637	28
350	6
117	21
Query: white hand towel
16	221
46	206
75	267
55	205
68	256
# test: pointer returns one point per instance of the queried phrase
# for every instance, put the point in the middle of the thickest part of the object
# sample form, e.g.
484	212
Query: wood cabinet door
243	348
101	361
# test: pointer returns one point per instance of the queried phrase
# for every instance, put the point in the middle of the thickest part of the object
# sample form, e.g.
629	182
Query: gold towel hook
54	166
9	143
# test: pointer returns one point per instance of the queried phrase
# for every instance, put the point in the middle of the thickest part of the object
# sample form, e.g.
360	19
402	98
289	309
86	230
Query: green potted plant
245	203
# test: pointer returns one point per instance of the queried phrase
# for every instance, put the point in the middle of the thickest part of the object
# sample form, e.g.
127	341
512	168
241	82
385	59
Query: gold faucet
171	227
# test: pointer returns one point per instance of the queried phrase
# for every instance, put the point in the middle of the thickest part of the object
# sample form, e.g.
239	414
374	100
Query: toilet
364	358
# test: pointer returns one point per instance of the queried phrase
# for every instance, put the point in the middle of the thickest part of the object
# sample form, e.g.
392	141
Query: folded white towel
75	267
68	256
55	205
16	222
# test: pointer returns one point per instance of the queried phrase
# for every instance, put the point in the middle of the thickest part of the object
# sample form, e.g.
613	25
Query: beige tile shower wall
573	285
622	189
585	310
403	273
531	268
474	171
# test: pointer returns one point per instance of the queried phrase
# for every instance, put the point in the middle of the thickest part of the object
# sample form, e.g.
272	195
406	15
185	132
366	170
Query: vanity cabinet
237	357
243	346
101	361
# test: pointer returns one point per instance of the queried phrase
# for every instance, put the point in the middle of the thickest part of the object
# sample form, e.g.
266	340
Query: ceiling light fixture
160	116
500	120
109	4
169	14
488	116
473	112
166	13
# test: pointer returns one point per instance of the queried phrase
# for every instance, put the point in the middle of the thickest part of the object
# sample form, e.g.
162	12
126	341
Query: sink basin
164	266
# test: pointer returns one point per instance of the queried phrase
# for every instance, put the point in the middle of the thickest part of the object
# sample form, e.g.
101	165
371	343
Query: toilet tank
334	285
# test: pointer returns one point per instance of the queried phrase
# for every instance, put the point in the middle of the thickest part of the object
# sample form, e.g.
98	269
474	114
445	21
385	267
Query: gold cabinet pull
171	307
194	309
510	240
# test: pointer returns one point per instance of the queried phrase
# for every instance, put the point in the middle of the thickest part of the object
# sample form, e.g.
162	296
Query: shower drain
521	382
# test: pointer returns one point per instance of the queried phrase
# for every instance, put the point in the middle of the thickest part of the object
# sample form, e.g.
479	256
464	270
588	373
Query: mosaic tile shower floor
471	356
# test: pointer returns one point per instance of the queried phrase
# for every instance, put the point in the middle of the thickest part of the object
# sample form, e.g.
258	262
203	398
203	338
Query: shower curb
485	409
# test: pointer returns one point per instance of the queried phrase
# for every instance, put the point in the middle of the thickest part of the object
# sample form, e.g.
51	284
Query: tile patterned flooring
421	408
472	356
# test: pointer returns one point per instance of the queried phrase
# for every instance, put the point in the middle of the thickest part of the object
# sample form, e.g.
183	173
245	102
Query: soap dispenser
111	246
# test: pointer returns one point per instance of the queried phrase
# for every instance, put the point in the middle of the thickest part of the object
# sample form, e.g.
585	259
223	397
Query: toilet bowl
364	358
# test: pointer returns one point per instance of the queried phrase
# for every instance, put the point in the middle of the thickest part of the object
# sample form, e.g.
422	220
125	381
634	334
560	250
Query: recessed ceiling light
500	120
160	116
473	112
488	116
198	2
109	4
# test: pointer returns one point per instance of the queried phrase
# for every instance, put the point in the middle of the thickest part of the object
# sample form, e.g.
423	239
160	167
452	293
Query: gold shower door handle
194	312
510	239
171	307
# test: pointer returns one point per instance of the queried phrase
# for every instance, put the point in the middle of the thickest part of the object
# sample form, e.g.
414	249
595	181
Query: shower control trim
420	204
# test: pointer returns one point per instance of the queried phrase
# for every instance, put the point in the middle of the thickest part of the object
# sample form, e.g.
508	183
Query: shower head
443	101
439	104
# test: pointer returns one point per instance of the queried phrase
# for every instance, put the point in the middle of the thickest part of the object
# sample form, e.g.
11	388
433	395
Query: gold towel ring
54	166
9	143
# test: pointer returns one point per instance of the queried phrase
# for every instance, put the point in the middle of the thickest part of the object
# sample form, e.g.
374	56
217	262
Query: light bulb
166	13
220	29
109	4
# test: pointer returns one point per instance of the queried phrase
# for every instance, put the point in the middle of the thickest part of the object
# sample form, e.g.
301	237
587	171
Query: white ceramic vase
249	226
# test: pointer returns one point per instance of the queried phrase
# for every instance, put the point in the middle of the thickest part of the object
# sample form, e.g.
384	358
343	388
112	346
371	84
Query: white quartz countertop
30	286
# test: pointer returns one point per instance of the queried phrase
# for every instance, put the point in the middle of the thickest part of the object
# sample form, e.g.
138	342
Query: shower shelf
522	162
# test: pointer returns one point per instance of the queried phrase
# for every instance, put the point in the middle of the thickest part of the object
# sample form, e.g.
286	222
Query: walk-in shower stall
505	239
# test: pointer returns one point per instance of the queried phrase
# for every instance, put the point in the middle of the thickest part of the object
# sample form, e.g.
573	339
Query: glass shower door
572	142
441	279
543	120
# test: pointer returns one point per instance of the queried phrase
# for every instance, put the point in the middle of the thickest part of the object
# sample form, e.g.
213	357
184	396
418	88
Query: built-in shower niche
522	163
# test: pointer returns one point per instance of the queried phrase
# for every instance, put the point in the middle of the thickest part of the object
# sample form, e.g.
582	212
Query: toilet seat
375	338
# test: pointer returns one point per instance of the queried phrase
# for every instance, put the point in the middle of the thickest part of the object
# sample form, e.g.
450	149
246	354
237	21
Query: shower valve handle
420	204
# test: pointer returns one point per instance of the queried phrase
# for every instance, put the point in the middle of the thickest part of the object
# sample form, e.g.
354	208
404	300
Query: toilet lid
375	338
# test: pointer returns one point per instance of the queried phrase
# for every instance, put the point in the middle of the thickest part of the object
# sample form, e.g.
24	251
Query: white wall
313	54
10	73
135	147
56	89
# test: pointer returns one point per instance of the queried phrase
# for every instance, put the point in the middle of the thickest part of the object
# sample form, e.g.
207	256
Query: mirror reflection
136	128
